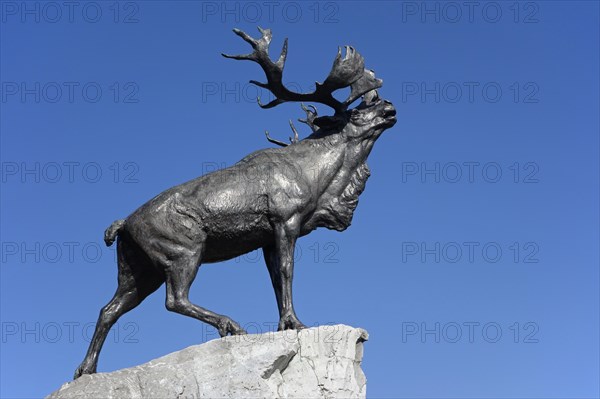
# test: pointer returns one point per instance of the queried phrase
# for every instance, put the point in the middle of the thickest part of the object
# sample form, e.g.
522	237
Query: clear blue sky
473	255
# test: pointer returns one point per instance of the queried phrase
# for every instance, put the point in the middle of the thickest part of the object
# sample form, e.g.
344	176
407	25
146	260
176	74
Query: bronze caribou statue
267	200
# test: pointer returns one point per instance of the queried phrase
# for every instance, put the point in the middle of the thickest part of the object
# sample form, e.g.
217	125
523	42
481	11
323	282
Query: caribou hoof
290	322
81	370
227	326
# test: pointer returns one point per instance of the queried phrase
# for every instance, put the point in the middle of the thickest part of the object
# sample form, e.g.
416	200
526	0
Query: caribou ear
330	122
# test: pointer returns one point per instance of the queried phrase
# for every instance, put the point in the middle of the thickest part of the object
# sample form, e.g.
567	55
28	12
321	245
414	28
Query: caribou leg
280	262
180	275
135	283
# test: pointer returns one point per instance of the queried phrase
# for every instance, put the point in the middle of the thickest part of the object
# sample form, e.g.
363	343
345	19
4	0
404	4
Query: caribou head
366	121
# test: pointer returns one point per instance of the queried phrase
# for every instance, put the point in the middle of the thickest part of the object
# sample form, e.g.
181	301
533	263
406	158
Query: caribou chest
338	202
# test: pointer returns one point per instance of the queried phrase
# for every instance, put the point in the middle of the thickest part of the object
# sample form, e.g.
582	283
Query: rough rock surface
320	362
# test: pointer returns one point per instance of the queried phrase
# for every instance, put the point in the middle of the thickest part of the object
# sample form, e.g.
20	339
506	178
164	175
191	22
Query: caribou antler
293	140
311	115
347	71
